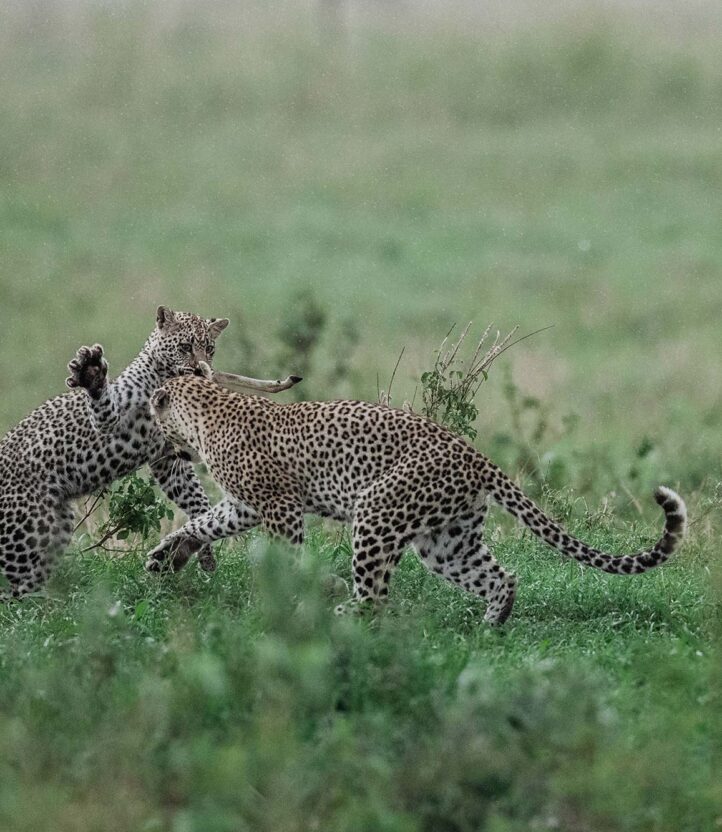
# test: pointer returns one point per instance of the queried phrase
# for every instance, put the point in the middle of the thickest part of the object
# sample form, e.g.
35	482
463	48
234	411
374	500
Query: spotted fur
401	480
83	440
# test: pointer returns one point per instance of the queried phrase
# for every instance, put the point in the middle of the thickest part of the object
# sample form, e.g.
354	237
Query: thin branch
93	507
106	536
455	348
393	374
483	338
384	396
523	338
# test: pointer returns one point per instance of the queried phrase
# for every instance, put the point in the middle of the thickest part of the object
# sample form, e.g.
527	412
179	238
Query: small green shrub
134	508
449	389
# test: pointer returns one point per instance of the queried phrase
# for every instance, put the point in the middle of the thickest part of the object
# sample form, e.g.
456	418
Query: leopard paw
207	560
356	607
88	370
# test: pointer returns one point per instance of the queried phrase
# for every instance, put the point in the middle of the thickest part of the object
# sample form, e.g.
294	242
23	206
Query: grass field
410	173
239	702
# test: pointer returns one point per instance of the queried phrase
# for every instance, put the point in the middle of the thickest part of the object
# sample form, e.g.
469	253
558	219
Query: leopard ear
164	317
216	326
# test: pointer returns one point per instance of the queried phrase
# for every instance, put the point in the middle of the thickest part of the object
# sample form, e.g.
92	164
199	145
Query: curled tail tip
674	508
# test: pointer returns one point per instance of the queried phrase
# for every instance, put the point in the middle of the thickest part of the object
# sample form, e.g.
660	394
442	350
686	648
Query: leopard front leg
178	481
226	519
89	370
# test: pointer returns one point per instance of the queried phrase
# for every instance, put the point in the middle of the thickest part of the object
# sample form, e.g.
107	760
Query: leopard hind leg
32	533
457	553
387	516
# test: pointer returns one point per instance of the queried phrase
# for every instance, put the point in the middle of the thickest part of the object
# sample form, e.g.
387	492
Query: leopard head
181	406
180	341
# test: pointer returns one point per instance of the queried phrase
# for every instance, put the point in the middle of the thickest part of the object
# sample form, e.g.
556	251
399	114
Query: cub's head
180	341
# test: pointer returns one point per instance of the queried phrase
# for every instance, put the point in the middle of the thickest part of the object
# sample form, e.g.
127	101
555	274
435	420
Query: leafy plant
449	389
134	508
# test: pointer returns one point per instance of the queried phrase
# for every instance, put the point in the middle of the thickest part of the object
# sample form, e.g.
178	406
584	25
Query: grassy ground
239	702
408	177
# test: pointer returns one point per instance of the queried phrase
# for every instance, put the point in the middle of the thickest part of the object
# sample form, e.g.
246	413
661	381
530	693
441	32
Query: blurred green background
412	165
344	180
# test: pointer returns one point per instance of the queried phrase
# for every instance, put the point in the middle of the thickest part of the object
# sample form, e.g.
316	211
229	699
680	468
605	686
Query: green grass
238	701
223	159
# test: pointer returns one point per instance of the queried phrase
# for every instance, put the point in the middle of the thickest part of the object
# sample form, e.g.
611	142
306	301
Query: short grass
239	702
223	157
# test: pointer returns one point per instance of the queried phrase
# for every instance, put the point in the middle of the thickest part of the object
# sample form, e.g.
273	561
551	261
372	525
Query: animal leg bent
178	481
227	518
457	553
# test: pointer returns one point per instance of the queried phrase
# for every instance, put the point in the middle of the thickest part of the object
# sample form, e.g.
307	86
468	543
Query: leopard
401	480
80	442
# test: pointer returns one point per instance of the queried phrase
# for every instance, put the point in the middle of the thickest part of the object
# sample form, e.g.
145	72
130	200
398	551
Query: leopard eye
210	349
186	347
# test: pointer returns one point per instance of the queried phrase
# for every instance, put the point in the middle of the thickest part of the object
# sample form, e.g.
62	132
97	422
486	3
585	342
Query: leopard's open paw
88	370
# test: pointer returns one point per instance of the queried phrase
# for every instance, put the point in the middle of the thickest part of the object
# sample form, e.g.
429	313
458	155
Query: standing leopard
400	479
83	440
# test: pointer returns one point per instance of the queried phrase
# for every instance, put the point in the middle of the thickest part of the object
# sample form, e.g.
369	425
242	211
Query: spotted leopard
83	440
401	480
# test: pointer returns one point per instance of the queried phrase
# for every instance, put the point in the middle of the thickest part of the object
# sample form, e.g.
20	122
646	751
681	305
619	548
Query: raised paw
158	557
88	370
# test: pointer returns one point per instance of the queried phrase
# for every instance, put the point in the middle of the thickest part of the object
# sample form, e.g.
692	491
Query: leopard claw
88	370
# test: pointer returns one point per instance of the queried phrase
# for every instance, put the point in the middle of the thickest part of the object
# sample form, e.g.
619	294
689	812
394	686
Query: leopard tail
510	497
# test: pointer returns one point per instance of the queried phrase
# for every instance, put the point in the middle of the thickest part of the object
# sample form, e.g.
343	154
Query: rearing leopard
81	441
401	480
